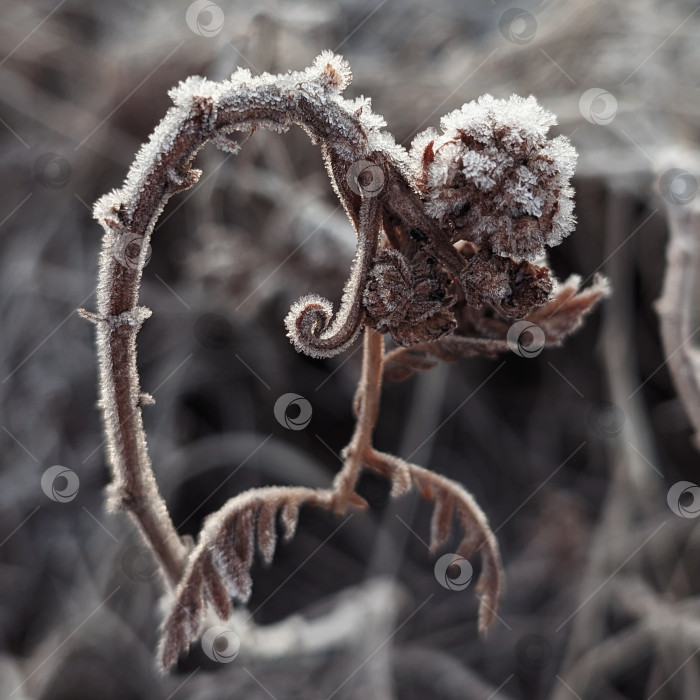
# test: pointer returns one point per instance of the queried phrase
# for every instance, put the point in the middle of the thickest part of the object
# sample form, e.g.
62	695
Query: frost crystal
494	178
334	72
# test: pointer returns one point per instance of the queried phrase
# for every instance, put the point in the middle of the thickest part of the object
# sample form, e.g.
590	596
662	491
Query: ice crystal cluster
492	177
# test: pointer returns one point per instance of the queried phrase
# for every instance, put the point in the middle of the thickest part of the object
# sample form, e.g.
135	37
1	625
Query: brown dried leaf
182	624
409	297
441	524
216	590
220	563
233	553
564	314
267	531
289	516
481	335
452	498
401	363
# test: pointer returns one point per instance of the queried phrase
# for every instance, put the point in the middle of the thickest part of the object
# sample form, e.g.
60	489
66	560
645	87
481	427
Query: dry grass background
571	454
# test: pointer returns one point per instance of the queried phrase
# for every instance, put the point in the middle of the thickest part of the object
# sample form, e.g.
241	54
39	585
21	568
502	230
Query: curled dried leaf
491	185
218	568
452	499
310	323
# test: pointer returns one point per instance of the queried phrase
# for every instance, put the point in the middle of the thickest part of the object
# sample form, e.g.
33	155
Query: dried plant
677	309
449	243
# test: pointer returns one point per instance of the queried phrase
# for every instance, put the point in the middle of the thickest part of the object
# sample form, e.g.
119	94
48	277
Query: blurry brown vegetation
572	453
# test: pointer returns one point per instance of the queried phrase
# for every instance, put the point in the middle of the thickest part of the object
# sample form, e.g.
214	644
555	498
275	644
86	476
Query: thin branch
133	487
366	405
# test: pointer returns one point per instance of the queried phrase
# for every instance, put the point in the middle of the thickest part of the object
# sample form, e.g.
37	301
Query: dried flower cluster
493	177
409	297
447	241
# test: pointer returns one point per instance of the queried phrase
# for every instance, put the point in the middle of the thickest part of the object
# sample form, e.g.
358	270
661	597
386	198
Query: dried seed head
513	287
494	178
409	297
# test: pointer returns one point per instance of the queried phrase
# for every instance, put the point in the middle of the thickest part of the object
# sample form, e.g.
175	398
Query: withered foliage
409	298
449	237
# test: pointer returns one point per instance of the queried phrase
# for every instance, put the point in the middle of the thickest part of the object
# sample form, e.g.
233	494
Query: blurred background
572	454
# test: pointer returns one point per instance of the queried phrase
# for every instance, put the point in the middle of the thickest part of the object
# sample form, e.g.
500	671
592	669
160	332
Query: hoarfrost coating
493	178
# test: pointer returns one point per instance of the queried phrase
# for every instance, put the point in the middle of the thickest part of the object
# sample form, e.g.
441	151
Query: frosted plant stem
204	111
133	488
366	404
